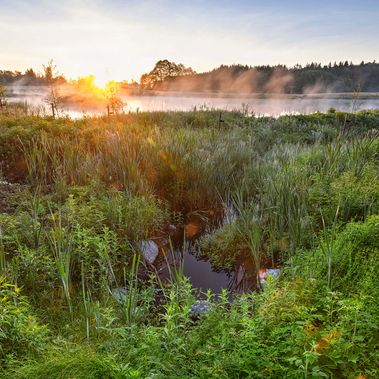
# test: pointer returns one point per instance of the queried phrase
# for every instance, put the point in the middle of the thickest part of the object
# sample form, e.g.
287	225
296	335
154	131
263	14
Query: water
202	275
180	254
200	272
273	105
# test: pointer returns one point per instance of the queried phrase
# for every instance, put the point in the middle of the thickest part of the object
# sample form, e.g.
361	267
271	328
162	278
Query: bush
223	247
355	259
20	333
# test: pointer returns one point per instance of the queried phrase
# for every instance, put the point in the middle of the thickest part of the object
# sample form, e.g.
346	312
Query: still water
273	105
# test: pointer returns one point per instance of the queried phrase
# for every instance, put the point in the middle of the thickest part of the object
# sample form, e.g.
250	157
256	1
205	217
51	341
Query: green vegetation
301	192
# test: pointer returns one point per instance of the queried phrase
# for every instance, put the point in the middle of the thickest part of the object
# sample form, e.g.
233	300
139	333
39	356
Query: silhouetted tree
50	71
54	100
162	70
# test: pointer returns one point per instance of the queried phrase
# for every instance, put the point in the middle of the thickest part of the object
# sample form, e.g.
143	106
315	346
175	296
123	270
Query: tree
114	100
50	71
29	73
54	100
162	70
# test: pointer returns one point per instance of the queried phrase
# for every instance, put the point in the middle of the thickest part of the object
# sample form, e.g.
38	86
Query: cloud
126	38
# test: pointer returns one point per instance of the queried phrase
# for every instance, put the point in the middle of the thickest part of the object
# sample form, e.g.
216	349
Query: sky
117	40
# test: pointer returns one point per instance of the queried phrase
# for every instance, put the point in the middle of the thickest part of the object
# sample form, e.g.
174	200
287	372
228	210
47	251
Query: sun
101	82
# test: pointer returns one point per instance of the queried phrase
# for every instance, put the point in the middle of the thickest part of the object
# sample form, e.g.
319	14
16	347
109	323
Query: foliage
20	333
77	363
354	254
300	191
223	247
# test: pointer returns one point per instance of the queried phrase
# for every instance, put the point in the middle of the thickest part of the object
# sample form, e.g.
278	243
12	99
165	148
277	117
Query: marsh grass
250	227
35	215
327	244
96	187
129	302
3	261
62	245
87	302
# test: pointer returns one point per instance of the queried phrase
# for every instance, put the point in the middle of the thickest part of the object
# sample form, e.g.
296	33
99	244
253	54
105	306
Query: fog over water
273	105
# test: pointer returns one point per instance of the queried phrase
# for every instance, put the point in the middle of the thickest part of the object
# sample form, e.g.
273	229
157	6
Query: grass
299	192
61	243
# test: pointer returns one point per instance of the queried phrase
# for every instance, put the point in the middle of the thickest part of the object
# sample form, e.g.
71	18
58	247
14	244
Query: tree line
170	76
48	76
313	77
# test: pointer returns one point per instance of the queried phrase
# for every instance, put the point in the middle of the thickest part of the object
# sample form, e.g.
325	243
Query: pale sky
116	39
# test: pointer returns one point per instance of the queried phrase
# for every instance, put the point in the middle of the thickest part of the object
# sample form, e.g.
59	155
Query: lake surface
273	105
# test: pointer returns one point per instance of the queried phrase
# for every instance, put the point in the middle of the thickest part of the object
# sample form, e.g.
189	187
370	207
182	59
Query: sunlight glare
100	81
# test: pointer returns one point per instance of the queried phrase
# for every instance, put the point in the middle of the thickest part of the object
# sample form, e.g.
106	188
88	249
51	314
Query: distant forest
30	77
169	76
312	78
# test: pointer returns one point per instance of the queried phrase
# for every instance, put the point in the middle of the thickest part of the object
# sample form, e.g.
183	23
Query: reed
86	296
327	245
62	246
35	215
3	260
128	299
251	228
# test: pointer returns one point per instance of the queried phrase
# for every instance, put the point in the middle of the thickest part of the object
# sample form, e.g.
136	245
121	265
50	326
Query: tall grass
128	297
62	245
250	226
125	179
36	154
35	214
3	261
327	245
86	296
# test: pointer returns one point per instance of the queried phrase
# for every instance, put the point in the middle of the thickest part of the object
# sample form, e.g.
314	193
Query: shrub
223	247
20	333
355	259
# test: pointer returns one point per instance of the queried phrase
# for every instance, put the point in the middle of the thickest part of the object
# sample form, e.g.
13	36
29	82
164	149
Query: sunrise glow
121	40
101	82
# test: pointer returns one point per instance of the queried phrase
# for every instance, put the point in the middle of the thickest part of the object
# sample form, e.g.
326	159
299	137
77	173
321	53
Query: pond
178	255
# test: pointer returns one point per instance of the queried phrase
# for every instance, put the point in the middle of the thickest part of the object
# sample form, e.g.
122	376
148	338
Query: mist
78	103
